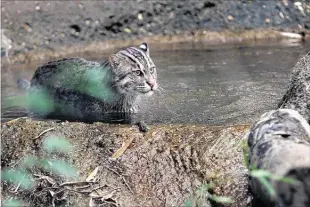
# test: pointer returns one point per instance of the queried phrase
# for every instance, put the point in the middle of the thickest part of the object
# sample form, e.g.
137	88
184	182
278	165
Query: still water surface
203	84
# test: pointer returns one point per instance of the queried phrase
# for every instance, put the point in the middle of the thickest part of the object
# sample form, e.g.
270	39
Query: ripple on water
227	85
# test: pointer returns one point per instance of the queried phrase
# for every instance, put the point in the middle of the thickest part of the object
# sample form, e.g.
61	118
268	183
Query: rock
165	166
279	144
298	93
230	18
143	127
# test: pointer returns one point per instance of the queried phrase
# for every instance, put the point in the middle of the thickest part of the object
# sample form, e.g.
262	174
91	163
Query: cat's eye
138	72
152	70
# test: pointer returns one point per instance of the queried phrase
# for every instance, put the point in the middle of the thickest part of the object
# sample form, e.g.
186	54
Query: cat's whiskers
161	89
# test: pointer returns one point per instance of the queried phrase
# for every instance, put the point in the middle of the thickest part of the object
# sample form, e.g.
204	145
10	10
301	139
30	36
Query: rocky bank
37	26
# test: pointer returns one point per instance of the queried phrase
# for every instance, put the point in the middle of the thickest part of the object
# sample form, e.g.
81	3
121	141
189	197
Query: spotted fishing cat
74	88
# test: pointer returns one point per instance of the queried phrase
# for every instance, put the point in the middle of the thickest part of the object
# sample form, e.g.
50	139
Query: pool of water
227	84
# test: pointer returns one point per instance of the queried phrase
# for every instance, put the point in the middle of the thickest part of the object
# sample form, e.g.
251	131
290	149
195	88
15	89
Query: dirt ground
45	27
163	167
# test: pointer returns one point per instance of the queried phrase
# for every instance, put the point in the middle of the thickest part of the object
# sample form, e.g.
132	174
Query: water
212	85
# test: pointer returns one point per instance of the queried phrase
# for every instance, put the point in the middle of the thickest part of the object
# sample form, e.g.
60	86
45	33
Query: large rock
298	94
163	167
279	143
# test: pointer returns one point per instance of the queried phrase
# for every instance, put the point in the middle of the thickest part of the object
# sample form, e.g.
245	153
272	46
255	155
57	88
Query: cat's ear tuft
144	47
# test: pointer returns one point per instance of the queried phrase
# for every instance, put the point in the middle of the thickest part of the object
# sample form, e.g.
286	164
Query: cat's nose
151	83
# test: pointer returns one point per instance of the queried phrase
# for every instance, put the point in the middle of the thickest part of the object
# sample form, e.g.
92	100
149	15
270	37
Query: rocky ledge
46	27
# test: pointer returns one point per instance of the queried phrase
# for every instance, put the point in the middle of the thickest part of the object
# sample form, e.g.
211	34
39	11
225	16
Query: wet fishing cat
74	88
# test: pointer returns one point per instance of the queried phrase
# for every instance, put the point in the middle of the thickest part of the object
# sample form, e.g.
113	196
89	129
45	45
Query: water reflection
213	85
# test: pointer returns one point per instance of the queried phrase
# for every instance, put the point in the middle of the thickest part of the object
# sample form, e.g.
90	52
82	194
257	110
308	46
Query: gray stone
298	94
279	144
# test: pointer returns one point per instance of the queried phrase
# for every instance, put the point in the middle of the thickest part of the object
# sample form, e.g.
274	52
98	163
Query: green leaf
245	148
97	84
252	167
221	199
40	102
285	179
30	161
188	203
205	187
18	177
11	203
62	168
260	173
267	185
53	143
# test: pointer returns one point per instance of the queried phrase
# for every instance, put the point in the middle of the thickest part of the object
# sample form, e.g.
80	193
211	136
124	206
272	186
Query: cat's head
134	71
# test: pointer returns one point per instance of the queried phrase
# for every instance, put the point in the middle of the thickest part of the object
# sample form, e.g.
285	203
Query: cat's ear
145	48
114	61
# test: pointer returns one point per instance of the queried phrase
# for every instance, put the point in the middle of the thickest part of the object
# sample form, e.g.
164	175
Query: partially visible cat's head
134	71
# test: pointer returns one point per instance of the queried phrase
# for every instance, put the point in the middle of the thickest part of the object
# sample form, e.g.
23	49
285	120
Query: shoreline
206	37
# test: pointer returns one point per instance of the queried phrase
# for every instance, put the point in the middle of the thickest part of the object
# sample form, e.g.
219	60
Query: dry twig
47	178
123	148
121	176
47	130
17	161
77	183
16	189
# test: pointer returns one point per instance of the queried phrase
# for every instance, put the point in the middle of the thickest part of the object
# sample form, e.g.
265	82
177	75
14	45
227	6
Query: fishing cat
74	88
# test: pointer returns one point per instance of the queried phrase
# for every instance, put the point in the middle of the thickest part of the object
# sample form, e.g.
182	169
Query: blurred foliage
30	161
12	203
20	177
265	177
38	101
54	143
221	199
98	85
245	147
202	195
60	167
262	175
93	82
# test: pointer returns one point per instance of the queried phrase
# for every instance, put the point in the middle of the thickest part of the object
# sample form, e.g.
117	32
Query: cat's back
66	69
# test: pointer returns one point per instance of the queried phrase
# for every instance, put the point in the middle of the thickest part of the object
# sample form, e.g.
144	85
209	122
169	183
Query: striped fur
80	89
